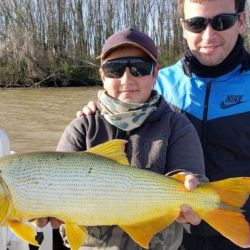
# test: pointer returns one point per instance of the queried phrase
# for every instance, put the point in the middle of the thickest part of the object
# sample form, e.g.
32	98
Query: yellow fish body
96	187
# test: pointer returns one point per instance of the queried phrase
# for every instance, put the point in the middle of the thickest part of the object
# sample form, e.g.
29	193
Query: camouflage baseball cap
132	37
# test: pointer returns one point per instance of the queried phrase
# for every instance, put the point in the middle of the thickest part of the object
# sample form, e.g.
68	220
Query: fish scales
87	182
90	186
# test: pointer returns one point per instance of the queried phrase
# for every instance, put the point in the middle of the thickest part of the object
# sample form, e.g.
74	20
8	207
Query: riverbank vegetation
56	42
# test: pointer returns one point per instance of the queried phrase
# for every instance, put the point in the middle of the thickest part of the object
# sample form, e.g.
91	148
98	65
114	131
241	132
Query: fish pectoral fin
23	231
76	235
179	177
143	232
113	150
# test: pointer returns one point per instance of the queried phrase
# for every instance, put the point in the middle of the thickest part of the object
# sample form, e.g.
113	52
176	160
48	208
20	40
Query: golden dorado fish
97	187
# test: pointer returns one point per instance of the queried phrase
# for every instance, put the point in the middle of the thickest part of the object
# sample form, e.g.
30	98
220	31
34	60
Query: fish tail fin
233	191
228	218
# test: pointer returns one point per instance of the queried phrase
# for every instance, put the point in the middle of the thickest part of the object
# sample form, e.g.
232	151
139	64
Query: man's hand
42	222
89	109
187	214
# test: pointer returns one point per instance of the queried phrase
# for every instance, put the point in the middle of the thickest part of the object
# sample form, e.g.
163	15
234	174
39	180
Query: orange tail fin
227	218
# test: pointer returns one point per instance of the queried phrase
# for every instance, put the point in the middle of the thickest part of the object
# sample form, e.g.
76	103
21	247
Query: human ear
184	34
242	22
156	70
101	74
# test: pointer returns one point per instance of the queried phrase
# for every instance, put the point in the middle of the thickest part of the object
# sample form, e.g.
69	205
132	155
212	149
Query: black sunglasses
219	22
138	66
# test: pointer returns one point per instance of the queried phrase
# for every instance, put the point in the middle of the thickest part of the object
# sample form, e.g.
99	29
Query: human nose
209	33
126	78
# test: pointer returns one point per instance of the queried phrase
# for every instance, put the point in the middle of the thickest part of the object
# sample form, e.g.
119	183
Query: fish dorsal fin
23	231
113	150
179	177
143	232
76	235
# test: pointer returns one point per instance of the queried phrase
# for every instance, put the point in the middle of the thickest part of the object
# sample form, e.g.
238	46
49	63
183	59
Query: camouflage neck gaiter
126	116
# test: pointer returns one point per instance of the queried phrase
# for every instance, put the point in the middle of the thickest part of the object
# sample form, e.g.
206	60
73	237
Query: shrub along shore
56	43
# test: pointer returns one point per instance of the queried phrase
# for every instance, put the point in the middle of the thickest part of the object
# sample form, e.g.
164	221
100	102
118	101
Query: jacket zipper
205	110
205	117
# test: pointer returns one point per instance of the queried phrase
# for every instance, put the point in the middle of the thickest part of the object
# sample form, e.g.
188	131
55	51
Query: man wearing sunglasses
211	85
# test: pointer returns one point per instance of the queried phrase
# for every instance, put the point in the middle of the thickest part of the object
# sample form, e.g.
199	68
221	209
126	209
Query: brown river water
34	119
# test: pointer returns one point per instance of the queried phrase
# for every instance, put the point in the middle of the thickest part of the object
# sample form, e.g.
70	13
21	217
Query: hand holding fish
42	222
187	215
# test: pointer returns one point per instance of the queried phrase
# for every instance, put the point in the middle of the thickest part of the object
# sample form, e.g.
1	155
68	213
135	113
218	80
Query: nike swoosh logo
227	106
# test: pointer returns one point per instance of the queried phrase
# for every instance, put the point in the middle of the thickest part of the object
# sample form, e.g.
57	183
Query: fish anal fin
113	150
23	231
76	235
232	225
143	232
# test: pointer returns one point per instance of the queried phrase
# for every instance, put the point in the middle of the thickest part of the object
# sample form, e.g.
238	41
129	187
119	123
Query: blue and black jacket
219	108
